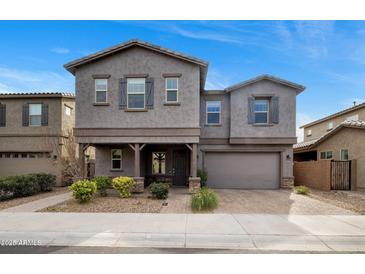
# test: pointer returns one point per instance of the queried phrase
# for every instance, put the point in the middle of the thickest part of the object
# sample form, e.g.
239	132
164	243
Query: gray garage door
243	170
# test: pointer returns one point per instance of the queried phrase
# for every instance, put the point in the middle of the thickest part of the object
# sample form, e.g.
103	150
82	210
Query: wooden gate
340	175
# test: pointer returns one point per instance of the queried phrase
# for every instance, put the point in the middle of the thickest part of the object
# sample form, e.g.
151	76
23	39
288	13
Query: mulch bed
354	201
138	203
23	200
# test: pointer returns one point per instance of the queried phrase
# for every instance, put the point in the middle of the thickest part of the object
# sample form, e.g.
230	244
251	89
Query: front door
179	168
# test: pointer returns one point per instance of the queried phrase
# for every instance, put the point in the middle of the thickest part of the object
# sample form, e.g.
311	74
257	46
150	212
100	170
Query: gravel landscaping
138	203
350	200
19	201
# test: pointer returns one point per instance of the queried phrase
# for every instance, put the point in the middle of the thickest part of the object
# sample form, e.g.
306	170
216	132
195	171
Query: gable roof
342	112
346	124
72	66
268	77
37	95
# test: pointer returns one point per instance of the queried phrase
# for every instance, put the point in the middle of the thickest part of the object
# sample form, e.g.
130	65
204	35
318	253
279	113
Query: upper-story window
309	132
330	126
68	110
136	93
35	114
261	111
326	155
172	90
213	112
2	115
101	90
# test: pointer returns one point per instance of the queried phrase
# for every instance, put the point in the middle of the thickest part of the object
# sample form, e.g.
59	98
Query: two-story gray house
145	110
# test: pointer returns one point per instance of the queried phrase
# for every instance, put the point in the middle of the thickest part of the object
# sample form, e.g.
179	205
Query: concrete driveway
256	202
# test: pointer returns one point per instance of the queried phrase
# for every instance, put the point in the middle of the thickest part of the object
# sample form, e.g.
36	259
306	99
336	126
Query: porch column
82	161
137	153
194	181
193	160
138	180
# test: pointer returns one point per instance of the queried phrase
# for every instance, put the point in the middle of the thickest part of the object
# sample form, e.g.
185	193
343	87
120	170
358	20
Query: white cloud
60	50
216	80
13	80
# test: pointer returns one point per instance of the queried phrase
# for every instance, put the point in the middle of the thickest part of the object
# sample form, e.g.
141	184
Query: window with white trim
158	162
213	110
172	90
101	90
344	154
261	111
309	132
326	155
68	110
35	114
136	93
330	126
116	159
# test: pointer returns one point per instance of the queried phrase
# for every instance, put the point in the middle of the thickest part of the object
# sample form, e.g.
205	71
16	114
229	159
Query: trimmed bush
45	181
159	190
102	184
123	185
25	185
203	174
205	199
83	190
303	190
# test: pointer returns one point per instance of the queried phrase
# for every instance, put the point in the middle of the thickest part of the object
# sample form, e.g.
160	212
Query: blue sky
328	57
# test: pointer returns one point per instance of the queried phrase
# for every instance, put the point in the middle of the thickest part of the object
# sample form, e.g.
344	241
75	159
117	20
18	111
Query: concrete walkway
319	233
39	204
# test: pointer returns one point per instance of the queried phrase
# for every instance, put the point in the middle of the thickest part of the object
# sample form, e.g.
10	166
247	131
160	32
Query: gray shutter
149	93
251	110
25	115
275	110
44	115
123	93
2	115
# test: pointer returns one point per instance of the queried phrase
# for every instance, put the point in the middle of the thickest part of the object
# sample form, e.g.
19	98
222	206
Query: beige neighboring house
340	136
33	128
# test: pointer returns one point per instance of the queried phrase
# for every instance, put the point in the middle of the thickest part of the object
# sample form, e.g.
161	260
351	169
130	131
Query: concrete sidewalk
39	204
319	233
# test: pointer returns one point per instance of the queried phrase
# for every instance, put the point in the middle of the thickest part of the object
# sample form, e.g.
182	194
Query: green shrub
159	190
102	184
203	174
45	181
303	190
83	190
123	185
205	199
25	185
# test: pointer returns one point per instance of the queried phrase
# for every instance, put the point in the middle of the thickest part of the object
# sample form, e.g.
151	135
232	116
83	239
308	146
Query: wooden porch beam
132	146
142	146
189	147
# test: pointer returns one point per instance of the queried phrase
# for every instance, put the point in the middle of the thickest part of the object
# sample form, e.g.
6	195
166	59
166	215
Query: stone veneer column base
138	186
287	182
194	184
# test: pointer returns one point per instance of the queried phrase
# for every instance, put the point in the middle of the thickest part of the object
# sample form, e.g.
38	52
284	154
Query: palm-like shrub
123	185
204	199
83	190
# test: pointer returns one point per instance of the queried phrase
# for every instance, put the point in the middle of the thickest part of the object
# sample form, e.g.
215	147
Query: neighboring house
145	110
32	130
339	136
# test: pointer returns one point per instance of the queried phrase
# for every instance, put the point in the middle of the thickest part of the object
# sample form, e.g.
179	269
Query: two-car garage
245	170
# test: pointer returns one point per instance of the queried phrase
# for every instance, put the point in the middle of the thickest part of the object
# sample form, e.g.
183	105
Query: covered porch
175	164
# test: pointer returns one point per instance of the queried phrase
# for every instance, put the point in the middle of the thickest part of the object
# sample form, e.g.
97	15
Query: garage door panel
243	170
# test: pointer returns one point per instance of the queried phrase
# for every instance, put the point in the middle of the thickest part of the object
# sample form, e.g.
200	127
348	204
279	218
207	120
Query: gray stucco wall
215	131
239	109
137	61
